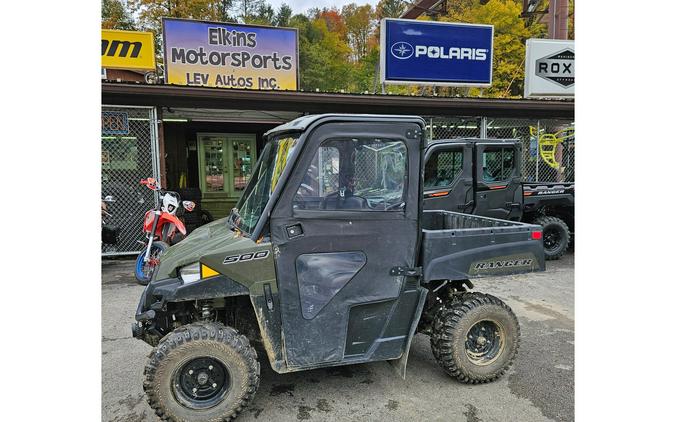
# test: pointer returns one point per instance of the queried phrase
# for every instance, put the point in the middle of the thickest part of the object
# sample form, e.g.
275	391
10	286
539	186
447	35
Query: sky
304	5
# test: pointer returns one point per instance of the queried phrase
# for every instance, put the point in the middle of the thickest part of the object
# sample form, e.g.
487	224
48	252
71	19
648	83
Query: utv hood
215	238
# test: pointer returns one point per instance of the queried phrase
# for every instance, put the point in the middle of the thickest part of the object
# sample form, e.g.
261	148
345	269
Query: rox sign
558	67
549	68
435	53
127	50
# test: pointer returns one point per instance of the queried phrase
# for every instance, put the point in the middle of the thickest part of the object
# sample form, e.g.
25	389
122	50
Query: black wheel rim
201	383
552	239
484	342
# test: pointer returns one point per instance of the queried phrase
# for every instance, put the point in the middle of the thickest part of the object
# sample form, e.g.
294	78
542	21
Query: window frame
490	148
228	190
452	149
321	213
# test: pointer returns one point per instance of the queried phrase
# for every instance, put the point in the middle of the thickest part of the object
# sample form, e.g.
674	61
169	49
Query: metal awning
315	102
275	117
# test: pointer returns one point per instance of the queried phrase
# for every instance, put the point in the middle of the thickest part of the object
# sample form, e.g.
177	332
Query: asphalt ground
539	386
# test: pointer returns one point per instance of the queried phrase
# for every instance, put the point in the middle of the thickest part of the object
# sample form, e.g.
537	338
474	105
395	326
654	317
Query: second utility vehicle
328	260
483	177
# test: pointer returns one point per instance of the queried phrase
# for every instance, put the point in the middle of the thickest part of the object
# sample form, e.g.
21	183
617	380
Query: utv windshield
263	182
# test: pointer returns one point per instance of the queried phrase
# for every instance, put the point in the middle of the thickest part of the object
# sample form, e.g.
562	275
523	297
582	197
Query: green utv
327	260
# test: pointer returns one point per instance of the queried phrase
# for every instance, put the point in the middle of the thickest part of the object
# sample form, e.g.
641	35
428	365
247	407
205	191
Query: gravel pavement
539	387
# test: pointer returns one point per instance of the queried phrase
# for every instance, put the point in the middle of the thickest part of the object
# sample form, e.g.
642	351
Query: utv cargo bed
459	246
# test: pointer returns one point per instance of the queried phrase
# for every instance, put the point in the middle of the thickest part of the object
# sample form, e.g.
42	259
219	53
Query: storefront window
213	162
225	163
243	162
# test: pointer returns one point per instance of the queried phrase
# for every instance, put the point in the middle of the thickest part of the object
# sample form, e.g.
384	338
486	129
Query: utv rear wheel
476	338
556	236
201	372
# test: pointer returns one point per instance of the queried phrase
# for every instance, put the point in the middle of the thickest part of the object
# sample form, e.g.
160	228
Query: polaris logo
509	263
403	50
558	68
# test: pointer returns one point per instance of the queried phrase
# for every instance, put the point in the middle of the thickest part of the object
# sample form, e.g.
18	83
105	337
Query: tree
390	8
151	12
247	10
360	25
324	56
263	15
334	21
114	15
283	16
509	41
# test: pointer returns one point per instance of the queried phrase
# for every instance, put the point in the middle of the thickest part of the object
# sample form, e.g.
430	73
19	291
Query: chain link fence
439	127
128	154
547	145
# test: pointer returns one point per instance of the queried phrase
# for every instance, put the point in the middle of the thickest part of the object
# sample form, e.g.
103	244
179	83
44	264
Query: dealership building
209	137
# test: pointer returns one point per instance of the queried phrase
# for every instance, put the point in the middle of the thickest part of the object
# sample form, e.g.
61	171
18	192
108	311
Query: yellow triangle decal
208	271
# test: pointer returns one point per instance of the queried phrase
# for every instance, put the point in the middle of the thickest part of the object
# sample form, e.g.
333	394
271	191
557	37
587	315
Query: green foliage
323	56
390	8
360	22
283	16
509	41
339	48
114	15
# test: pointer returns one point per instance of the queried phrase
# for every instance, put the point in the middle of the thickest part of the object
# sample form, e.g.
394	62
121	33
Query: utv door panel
322	275
349	310
440	193
497	175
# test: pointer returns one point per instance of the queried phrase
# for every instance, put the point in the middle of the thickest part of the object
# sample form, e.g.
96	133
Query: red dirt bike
160	225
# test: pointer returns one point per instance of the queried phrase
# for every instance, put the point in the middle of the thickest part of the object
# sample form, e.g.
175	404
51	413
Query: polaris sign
435	53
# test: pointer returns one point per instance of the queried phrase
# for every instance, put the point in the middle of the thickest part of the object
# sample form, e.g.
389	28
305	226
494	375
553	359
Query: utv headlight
190	273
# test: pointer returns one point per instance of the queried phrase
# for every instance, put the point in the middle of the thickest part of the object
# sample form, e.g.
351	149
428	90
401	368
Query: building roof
420	7
318	103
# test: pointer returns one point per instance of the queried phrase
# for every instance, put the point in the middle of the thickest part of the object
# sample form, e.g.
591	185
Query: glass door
225	164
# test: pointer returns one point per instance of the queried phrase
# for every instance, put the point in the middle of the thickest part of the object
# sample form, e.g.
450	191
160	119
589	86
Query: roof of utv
473	140
302	123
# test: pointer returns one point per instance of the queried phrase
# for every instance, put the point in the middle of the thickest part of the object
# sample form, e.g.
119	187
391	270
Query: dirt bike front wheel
145	269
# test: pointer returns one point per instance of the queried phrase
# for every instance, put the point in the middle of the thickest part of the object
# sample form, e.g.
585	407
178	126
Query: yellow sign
127	50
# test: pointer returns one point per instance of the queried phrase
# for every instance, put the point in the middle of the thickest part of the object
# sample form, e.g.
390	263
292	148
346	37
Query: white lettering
457	53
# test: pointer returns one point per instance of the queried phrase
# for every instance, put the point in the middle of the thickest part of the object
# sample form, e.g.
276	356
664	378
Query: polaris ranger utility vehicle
483	177
328	260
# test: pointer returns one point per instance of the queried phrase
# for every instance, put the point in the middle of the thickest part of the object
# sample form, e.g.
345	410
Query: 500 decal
246	257
503	264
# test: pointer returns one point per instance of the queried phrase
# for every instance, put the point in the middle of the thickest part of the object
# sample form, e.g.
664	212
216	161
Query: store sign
127	50
228	55
549	68
435	53
114	123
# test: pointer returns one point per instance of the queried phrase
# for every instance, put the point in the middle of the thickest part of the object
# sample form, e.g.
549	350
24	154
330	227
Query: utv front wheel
201	372
476	338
